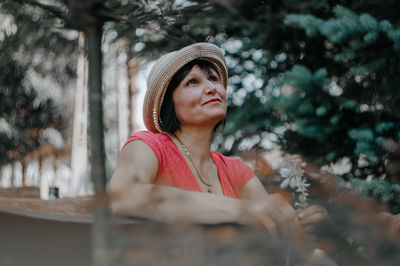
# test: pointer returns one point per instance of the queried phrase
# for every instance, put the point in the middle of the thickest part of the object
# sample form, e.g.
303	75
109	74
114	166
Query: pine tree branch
105	15
54	11
143	17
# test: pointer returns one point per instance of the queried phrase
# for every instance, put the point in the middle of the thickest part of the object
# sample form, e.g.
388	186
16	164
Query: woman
169	172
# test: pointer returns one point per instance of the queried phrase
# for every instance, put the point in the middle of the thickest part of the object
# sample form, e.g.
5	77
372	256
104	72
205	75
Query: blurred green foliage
379	189
358	119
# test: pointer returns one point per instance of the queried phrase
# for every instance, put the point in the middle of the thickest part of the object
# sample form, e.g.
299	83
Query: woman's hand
311	216
275	214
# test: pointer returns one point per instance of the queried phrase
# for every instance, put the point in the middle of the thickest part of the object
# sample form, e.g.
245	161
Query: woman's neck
197	141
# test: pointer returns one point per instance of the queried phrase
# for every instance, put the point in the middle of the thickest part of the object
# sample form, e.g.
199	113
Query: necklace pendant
209	190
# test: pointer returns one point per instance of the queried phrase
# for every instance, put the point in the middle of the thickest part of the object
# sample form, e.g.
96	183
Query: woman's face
200	98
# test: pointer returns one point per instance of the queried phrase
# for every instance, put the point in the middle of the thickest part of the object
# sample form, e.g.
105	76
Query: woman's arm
164	203
133	193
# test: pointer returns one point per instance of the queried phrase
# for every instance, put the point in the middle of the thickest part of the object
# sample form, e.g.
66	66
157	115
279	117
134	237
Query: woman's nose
210	87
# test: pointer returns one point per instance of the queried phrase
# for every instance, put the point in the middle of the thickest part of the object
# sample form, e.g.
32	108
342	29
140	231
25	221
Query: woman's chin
216	119
217	115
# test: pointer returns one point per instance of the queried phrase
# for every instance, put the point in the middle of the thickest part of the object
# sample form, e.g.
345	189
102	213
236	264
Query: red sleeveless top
174	171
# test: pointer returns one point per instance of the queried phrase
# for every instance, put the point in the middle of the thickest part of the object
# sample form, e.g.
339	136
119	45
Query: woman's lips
213	100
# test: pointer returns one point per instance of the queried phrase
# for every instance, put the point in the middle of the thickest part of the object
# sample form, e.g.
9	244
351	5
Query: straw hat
166	67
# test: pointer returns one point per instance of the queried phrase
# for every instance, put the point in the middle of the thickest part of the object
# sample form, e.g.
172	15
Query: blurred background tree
32	99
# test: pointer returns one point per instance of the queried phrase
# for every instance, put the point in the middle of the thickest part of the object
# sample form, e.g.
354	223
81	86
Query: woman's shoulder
148	137
234	169
231	162
225	158
148	134
158	142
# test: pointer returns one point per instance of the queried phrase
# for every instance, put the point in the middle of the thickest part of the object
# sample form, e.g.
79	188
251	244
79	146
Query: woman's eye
191	82
213	78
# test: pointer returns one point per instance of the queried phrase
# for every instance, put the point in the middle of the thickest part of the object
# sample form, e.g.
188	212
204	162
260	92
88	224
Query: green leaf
306	107
330	156
342	11
383	127
385	25
369	22
364	148
349	104
371	37
321	111
365	135
320	76
380	140
394	35
334	119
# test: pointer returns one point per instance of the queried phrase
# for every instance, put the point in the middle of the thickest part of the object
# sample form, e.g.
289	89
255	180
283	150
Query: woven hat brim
166	67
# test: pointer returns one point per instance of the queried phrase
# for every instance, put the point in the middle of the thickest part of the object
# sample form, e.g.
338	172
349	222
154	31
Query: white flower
293	182
284	172
302	185
285	183
293	178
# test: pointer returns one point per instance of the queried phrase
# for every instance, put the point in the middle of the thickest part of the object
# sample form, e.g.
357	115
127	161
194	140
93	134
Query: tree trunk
133	70
57	165
14	175
24	165
79	135
11	182
96	144
3	176
123	94
43	186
